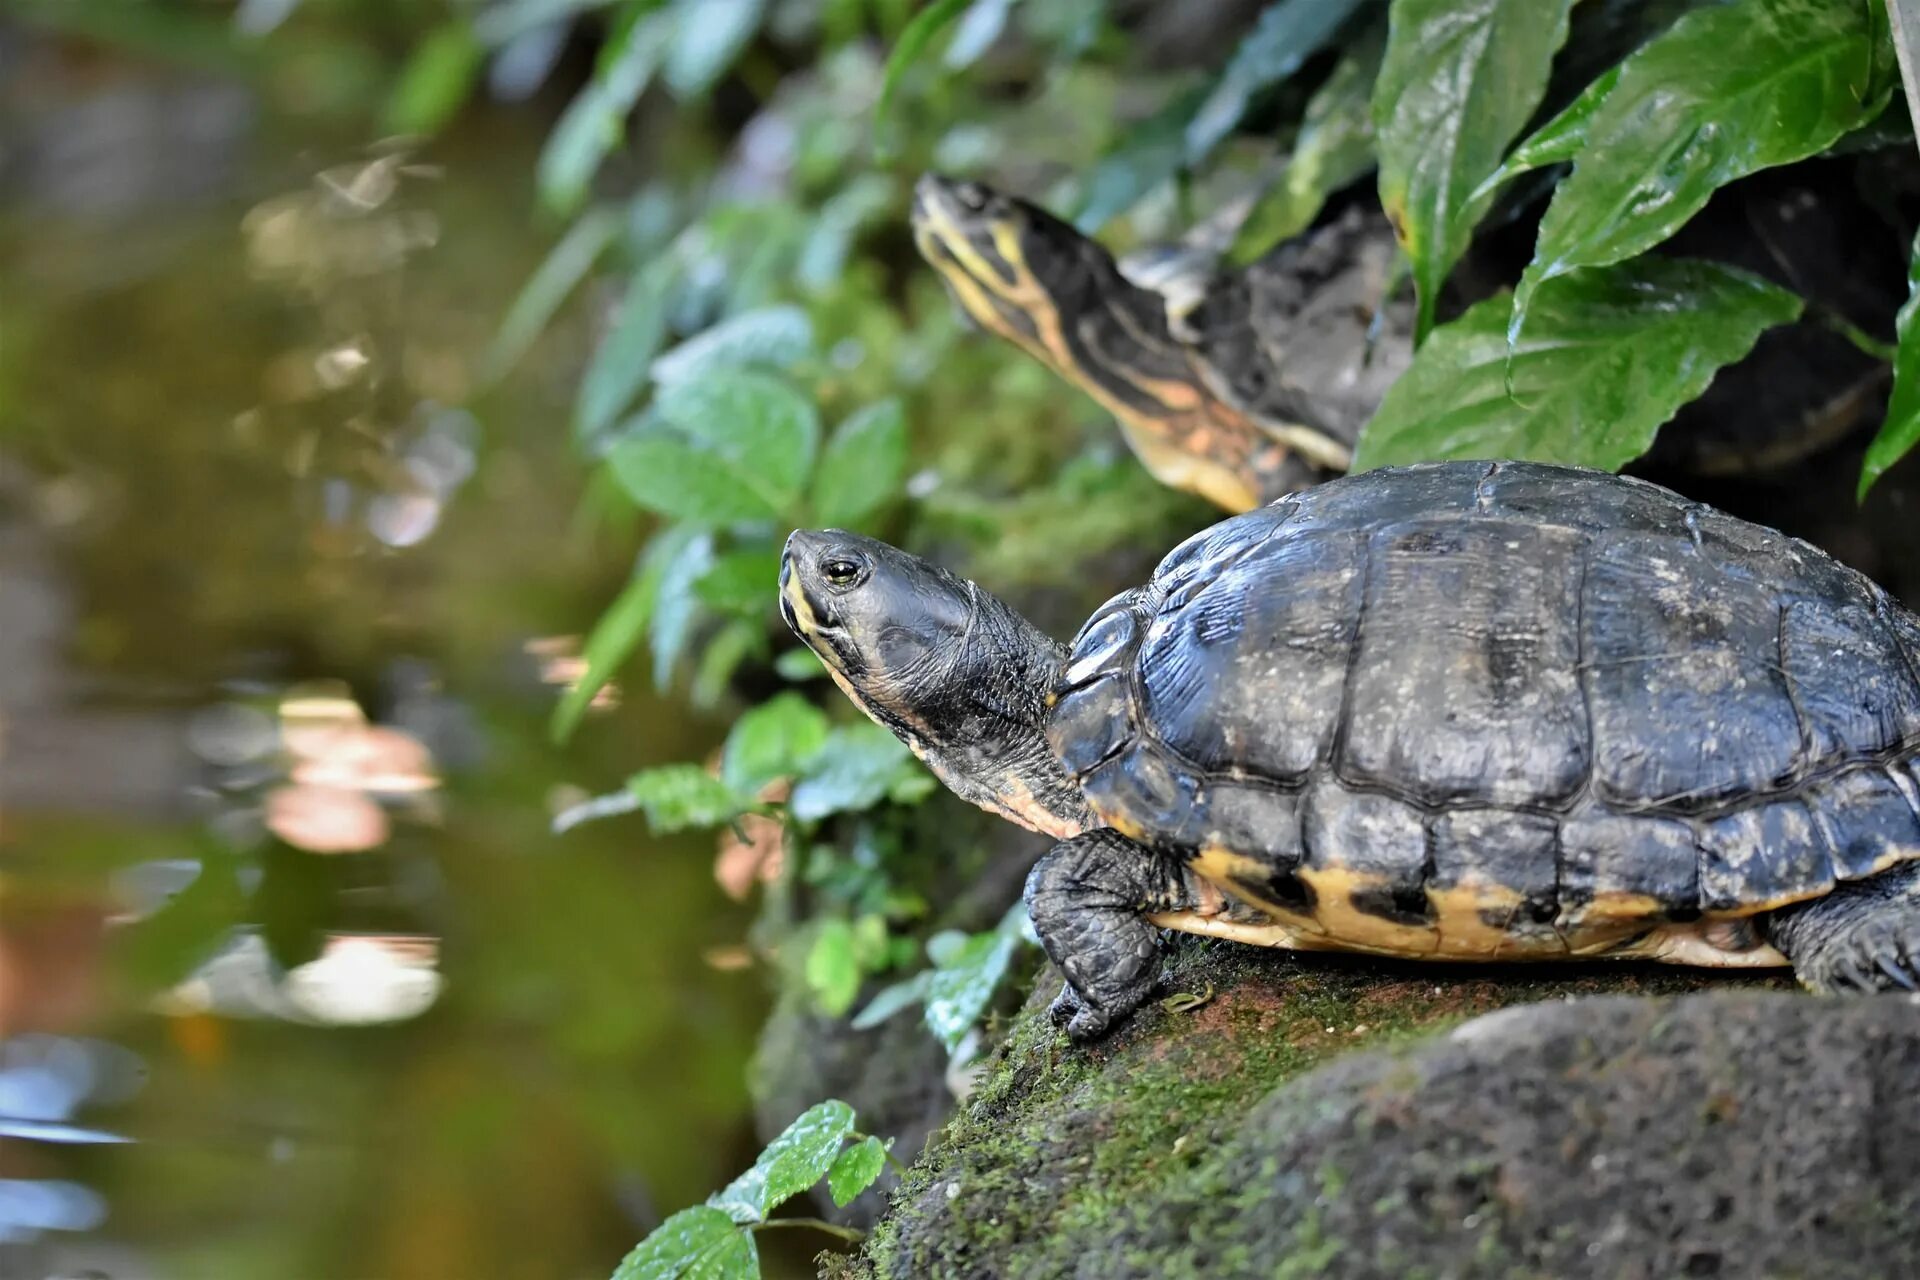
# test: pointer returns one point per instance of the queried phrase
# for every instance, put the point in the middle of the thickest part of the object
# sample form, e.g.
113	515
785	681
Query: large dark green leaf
673	1245
1461	78
767	432
1726	91
1901	431
862	465
1609	356
792	1162
1288	33
1334	147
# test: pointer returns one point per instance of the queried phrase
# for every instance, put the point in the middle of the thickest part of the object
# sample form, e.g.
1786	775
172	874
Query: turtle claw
1897	973
1064	1007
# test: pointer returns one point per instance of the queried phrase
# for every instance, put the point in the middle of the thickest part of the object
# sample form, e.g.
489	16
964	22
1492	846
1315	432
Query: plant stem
1855	334
852	1235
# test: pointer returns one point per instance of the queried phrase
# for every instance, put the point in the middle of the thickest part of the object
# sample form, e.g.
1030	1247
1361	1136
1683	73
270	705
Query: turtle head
951	670
1025	275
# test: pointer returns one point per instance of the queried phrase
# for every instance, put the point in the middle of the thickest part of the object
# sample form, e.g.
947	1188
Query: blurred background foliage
428	487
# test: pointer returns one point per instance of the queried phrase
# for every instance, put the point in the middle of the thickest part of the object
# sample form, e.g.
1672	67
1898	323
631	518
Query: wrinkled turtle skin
1463	711
1248	384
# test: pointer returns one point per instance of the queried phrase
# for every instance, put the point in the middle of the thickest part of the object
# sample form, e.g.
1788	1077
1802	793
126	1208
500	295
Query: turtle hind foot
1862	937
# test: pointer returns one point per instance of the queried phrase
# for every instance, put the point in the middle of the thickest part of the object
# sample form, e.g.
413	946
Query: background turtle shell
1556	702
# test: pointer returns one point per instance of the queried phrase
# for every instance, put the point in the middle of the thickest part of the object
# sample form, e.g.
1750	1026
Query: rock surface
1343	1117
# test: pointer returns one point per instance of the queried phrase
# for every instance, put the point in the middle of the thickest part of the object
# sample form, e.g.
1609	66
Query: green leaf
863	465
890	1000
792	1162
742	581
617	634
164	947
913	42
964	982
765	431
775	336
679	610
688	481
734	1257
1151	152
774	740
1726	91
856	1169
1901	430
708	38
618	369
549	286
436	80
1460	78
671	1247
857	767
595	121
833	968
1334	147
507	20
1288	33
1609	356
1559	139
797	665
979	28
678	796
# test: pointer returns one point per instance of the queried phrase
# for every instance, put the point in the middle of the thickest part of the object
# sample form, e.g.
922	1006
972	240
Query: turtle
1248	384
1453	711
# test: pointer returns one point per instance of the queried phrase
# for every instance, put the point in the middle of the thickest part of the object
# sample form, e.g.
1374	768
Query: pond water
294	979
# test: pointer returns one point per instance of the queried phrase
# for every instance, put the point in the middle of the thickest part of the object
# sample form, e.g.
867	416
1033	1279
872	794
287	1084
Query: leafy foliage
967	970
1901	431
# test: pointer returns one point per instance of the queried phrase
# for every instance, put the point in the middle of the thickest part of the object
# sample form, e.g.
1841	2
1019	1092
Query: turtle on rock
1456	711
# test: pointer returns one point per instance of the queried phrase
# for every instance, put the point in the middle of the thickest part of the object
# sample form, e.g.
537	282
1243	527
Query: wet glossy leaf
619	631
857	767
549	286
1460	79
708	38
774	740
742	581
678	796
688	481
1288	33
833	968
1901	430
792	1162
595	121
1334	148
679	610
856	1169
862	466
734	1257
890	1000
767	432
773	336
672	1246
913	42
1561	138
439	75
1609	355
963	984
1726	91
619	367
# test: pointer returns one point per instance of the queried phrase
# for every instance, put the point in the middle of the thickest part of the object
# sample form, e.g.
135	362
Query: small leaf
721	656
774	740
1187	1001
734	1257
1726	91
1334	147
1901	430
856	1169
678	796
797	665
549	286
775	336
679	610
1561	138
672	1246
686	481
833	968
1288	33
618	369
617	634
863	465
1460	78
1609	356
792	1162
742	581
856	768
437	79
961	988
707	40
595	121
767	432
926	24
891	999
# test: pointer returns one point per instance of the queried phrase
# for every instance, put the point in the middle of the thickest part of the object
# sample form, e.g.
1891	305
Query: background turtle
1462	711
1247	384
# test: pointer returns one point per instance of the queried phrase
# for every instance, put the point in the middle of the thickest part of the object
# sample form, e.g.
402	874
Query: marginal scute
1089	724
1866	821
1617	866
1253	820
1494	853
1766	855
1371	836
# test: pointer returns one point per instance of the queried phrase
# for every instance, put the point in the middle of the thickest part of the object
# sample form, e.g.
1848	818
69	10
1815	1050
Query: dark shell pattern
1555	703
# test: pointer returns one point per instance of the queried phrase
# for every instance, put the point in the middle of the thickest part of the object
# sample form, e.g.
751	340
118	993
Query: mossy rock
1309	1118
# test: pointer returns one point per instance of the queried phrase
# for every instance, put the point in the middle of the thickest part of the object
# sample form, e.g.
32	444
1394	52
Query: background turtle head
953	671
1025	275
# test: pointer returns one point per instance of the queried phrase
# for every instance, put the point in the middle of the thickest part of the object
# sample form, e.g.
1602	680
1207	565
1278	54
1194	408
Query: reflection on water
294	979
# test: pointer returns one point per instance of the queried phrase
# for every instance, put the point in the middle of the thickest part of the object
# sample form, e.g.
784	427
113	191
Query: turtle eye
972	196
843	571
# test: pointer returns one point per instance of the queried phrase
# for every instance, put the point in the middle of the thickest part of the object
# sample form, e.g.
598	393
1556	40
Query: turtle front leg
1089	898
1864	936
